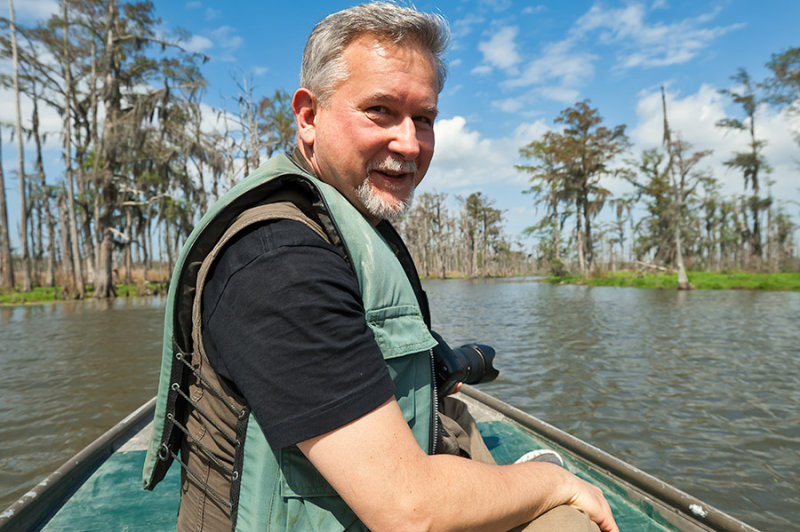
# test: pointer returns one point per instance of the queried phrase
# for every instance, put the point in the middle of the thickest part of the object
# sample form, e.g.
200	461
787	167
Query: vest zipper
435	410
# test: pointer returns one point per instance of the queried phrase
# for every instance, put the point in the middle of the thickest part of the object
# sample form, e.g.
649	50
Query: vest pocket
399	330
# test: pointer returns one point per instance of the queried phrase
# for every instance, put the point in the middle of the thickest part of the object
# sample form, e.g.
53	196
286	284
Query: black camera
470	364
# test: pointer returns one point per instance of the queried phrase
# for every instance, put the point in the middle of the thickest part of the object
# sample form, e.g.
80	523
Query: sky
512	67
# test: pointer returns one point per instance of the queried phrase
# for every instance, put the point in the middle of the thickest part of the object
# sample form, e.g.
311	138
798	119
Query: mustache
393	164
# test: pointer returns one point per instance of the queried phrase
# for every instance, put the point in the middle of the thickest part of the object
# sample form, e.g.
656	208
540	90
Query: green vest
282	490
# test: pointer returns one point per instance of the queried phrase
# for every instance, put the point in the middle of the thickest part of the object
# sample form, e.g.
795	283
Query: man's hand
590	499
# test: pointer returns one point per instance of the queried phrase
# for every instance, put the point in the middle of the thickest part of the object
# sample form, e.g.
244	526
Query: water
70	372
701	389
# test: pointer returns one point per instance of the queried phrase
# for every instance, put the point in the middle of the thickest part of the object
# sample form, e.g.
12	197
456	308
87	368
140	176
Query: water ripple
701	389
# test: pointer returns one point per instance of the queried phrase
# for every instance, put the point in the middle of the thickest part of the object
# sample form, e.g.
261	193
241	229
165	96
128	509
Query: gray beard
380	207
373	202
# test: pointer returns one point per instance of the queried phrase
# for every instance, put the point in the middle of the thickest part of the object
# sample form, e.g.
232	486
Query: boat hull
101	487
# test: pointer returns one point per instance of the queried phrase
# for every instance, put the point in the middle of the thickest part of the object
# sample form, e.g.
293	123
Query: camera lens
479	360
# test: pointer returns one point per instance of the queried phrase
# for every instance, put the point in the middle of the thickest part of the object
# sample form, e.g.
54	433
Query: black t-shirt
283	321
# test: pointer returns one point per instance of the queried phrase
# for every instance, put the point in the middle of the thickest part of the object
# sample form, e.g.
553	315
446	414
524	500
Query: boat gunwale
673	498
34	508
38	505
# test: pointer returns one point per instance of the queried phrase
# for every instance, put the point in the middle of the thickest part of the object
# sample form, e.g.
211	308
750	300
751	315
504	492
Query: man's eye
378	110
423	120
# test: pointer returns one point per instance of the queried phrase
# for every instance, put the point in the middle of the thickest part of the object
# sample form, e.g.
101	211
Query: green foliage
567	168
784	85
722	280
47	294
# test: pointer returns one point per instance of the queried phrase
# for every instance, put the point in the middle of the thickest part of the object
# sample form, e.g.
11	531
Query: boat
100	488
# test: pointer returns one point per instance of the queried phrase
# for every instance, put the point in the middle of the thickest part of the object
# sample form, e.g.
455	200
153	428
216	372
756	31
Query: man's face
373	138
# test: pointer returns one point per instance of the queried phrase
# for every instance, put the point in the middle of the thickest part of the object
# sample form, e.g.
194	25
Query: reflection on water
70	371
701	389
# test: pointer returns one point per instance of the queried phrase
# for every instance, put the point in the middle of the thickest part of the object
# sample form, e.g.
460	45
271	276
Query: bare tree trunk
228	143
245	145
66	246
556	228
6	263
104	282
23	204
45	198
74	285
579	236
127	253
772	252
51	245
683	280
168	244
587	224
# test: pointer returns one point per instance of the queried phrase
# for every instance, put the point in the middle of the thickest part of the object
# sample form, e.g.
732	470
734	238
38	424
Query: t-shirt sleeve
283	320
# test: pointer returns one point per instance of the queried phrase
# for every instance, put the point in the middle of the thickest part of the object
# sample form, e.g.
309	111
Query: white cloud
509	105
694	117
50	121
498	5
227	37
562	93
646	44
197	43
557	63
529	10
481	70
500	50
463	158
31	10
211	13
462	27
228	41
564	67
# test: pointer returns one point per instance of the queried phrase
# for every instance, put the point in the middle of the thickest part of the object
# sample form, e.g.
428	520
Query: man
297	378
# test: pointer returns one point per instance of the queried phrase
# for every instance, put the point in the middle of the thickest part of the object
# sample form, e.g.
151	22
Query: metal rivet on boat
242	413
175	386
179	355
235	475
163	451
169	416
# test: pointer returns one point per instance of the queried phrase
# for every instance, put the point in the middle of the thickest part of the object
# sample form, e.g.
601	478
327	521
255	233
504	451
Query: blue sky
514	65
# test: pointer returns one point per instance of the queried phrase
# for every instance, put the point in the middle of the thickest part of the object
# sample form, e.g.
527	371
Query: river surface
701	389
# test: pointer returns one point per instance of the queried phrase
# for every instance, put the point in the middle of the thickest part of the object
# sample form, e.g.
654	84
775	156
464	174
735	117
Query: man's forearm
378	468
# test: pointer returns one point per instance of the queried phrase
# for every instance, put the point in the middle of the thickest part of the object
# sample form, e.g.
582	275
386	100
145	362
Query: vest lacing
164	451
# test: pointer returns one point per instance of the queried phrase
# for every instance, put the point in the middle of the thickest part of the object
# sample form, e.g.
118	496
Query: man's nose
404	139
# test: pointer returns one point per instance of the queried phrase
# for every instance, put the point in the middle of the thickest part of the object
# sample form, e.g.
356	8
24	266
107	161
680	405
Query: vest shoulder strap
271	211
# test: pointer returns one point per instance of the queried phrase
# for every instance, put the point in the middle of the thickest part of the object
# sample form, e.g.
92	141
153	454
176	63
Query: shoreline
723	280
41	295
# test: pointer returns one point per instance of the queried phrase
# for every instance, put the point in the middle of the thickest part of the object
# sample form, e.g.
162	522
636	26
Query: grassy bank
699	280
53	294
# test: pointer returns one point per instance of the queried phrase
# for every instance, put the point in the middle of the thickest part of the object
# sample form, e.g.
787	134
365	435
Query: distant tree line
469	242
686	220
139	167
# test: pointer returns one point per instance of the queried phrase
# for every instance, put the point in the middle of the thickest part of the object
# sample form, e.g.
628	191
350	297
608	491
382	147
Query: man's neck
299	159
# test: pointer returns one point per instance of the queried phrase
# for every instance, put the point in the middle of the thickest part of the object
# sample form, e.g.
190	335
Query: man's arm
377	467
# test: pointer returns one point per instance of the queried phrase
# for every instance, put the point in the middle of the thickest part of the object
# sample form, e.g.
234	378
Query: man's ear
304	105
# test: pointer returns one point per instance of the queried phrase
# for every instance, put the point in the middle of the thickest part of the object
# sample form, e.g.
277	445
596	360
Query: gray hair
323	66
